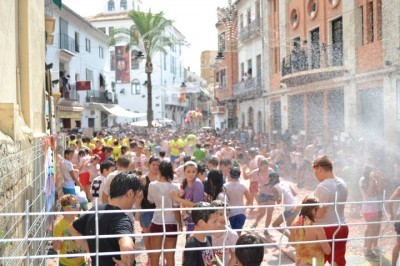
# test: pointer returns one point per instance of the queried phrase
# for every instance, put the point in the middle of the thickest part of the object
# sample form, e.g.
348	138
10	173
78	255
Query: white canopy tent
118	111
143	123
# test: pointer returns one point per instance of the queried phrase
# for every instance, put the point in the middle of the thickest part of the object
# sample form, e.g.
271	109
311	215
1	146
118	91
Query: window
258	62
134	60
165	61
249	65
112	60
242	73
257	10
221	42
89	76
241	21
135	87
248	16
111	5
91	122
102	29
88	46
110	31
101	52
222	79
76	41
370	22
123	5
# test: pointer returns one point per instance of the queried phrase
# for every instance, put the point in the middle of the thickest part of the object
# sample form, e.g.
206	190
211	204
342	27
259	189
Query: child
306	252
235	190
214	186
68	203
283	191
84	173
204	219
106	168
229	237
192	190
249	255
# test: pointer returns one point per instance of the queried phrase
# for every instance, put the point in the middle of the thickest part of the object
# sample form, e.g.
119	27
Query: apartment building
80	65
335	70
225	69
168	70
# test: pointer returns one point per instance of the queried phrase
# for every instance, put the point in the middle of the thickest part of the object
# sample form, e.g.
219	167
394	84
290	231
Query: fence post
96	221
27	259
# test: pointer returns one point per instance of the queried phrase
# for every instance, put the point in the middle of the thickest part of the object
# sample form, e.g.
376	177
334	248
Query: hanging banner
122	66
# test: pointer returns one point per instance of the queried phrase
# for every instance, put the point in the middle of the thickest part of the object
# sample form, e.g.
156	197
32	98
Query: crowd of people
220	180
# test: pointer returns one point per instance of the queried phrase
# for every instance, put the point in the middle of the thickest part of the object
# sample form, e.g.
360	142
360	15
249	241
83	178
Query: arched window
123	5
250	114
135	87
111	5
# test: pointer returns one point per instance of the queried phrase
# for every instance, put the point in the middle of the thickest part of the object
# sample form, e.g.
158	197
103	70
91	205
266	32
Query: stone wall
16	172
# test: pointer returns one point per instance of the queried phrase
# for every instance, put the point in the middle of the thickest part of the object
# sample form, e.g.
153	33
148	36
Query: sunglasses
74	205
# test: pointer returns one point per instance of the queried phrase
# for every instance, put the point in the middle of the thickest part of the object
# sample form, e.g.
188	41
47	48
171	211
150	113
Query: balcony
71	94
308	65
250	88
68	44
250	30
173	99
101	97
218	109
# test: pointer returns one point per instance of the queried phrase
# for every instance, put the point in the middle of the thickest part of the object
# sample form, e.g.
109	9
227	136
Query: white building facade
168	71
79	53
251	88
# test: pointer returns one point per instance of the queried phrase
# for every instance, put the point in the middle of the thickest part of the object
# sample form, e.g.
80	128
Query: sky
195	19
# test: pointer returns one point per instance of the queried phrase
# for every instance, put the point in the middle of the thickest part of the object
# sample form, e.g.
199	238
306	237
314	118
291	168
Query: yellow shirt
117	152
175	145
68	246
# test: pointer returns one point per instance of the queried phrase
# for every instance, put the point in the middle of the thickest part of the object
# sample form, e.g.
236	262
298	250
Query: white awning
144	123
118	111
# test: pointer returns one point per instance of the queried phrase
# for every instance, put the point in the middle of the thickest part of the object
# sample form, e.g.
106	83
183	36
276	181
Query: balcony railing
249	88
71	94
318	57
251	29
68	43
101	97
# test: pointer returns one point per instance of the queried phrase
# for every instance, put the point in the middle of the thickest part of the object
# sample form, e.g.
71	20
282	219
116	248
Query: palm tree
149	34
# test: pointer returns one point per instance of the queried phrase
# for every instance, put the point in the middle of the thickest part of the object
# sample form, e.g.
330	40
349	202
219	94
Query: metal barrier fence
27	181
34	242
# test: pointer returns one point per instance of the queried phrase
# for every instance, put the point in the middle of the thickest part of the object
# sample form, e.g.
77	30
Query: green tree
149	34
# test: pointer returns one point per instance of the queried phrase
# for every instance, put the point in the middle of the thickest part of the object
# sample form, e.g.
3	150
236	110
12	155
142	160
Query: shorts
397	225
340	246
145	219
71	191
158	228
84	178
289	214
372	215
253	188
237	221
266	197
